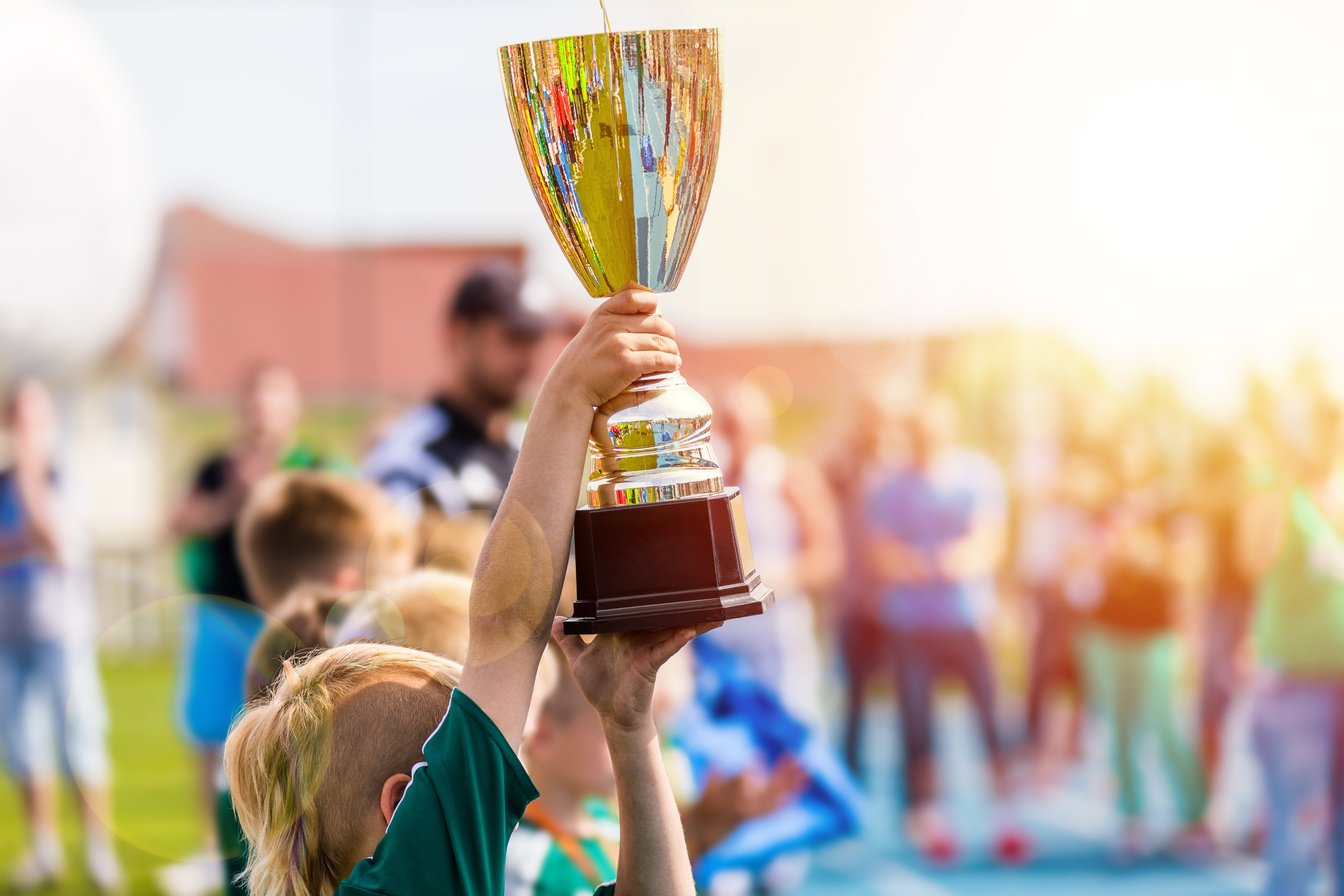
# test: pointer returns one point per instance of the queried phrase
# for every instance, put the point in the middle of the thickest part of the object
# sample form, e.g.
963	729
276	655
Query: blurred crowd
1109	565
1138	554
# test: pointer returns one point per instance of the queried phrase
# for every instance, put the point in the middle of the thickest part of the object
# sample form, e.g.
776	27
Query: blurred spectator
736	735
1131	646
714	804
223	620
452	449
1221	487
795	540
1294	540
51	701
938	523
855	617
206	515
1055	540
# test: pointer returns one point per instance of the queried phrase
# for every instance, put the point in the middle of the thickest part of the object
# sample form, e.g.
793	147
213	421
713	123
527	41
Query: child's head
426	610
317	766
30	417
299	624
312	527
565	746
271	403
451	543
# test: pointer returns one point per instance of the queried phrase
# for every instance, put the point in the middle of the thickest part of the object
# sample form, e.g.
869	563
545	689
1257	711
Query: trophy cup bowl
619	134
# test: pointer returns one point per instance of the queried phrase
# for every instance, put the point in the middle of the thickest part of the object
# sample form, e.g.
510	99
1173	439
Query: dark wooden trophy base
664	565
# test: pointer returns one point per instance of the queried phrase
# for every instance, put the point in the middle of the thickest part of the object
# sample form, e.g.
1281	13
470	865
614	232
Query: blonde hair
451	543
304	526
427	610
299	624
307	762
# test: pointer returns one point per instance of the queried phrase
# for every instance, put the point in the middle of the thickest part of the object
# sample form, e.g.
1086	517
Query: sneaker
40	867
100	860
1012	846
1194	844
940	849
198	875
931	837
1132	847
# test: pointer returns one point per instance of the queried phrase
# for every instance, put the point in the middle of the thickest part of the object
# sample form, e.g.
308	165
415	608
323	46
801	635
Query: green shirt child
546	860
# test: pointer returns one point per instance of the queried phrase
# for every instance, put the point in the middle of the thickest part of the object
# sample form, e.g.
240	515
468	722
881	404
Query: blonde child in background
318	528
426	610
305	538
300	624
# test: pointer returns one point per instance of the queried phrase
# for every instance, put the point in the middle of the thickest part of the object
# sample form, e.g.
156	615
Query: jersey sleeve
450	831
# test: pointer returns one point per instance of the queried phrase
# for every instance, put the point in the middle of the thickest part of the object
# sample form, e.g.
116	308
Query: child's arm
522	563
616	673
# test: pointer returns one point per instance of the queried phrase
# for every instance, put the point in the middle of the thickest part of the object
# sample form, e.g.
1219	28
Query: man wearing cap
453	449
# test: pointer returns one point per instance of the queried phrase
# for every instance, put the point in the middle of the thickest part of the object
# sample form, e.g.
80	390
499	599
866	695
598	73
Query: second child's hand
617	671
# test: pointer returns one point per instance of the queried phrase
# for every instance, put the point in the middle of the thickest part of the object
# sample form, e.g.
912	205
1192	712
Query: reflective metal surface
651	443
619	135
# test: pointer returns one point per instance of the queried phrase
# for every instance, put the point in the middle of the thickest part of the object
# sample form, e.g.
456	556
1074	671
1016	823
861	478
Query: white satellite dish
78	219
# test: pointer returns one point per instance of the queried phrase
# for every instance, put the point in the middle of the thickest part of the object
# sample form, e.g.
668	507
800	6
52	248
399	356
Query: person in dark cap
451	449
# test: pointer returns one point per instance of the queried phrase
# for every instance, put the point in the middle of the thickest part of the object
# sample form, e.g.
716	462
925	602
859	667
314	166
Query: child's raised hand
616	672
622	340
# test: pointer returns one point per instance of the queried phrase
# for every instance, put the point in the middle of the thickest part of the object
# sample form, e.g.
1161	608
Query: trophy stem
651	444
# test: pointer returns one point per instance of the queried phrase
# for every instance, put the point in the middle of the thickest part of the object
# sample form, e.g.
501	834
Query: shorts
52	708
219	638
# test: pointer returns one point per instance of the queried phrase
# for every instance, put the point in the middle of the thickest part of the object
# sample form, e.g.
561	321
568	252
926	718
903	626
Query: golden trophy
618	134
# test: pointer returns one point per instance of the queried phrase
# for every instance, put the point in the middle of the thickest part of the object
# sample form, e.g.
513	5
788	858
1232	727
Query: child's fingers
650	323
571	645
654	362
633	299
663	645
664	650
650	342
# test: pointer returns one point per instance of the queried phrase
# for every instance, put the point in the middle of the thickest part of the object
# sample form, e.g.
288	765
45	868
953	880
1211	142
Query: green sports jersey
451	829
539	865
449	832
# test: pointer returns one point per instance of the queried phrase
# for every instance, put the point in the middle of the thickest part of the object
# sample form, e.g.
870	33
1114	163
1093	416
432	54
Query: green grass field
155	815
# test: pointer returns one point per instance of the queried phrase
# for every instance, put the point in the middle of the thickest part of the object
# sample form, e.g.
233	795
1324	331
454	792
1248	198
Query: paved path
1072	825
